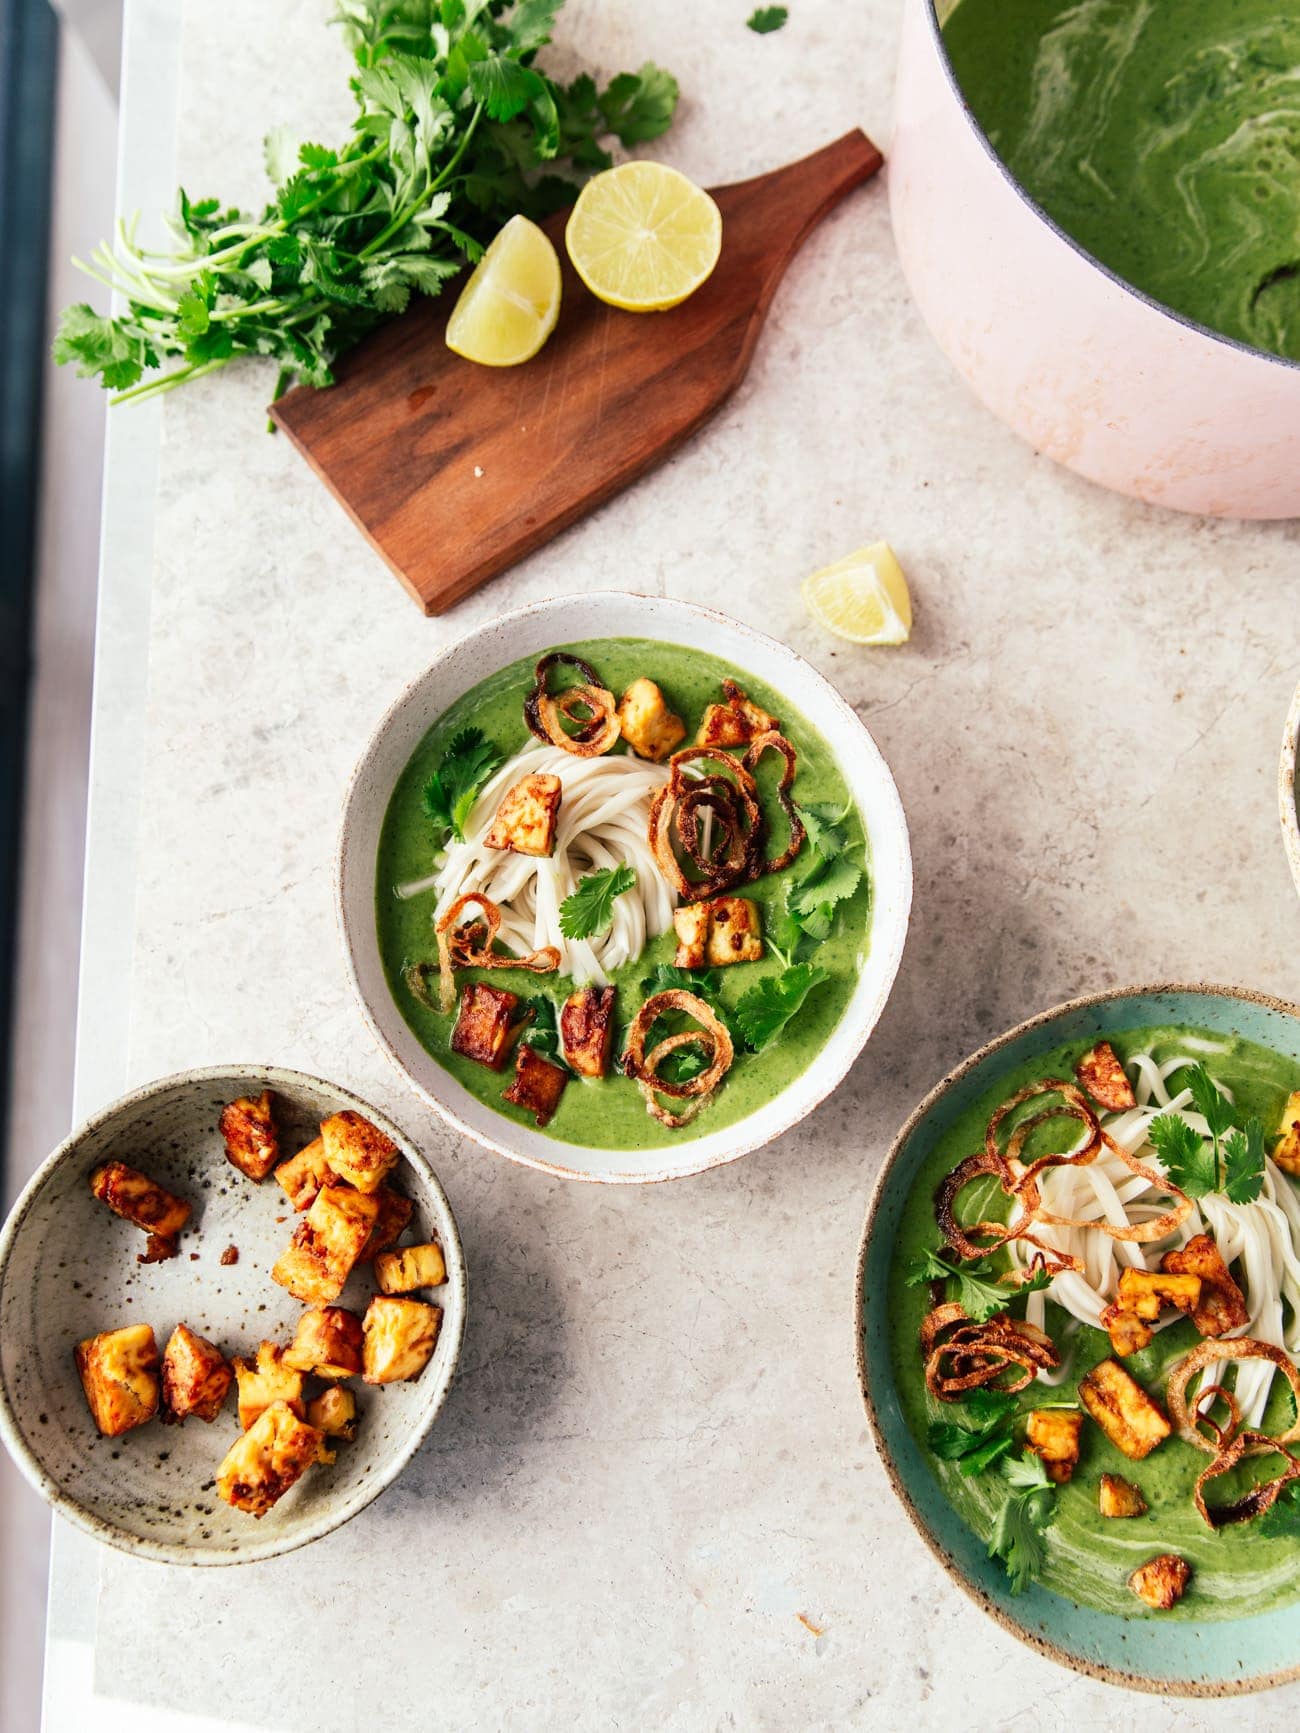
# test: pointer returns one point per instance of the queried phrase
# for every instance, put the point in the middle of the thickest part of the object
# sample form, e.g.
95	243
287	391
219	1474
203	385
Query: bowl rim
1288	795
930	10
172	1552
893	955
1035	1640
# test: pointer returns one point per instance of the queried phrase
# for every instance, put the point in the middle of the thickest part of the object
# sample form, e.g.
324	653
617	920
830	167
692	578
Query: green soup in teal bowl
1037	1543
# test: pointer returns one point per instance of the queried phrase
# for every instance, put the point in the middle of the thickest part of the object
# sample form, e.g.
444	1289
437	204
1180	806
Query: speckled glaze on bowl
1214	1659
68	1269
1288	788
529	632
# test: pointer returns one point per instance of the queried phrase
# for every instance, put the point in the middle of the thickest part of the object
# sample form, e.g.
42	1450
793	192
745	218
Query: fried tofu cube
1121	1407
139	1200
334	1412
1162	1581
252	1142
326	1342
411	1267
587	1030
538	1084
1102	1075
527	817
119	1374
356	1151
395	1212
326	1244
1128	1334
691	924
711	935
721	726
1221	1306
1117	1497
196	1377
269	1378
734	723
735	931
485	1025
400	1337
304	1174
1053	1434
1147	1292
264	1462
1287	1152
649	726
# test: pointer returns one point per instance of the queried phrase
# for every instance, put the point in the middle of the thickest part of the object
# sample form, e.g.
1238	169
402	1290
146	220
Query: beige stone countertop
651	1501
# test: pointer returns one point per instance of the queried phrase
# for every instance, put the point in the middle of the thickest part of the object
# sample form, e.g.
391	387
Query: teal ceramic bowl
1210	1659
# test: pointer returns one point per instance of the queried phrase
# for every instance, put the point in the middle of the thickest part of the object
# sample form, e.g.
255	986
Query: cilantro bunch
1231	1161
456	130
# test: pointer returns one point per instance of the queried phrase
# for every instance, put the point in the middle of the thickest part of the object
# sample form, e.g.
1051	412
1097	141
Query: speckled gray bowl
1288	788
68	1269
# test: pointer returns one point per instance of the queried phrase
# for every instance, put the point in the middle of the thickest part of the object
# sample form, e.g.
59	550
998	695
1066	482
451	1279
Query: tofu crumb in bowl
231	1306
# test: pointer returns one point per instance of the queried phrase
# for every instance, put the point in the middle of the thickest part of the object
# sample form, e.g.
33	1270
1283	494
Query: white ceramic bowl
1089	370
1288	788
528	633
68	1269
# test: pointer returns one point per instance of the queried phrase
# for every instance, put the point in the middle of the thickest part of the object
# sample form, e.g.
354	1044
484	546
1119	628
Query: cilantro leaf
973	1451
543	1031
766	19
668	979
1027	1471
503	86
638	106
979	1293
1186	1157
829	883
766	1008
1209	1100
449	795
1243	1162
987	1405
822	821
1018	1530
1282	1520
588	910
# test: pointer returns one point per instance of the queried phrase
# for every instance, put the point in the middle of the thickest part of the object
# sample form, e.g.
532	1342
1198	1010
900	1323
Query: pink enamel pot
1088	370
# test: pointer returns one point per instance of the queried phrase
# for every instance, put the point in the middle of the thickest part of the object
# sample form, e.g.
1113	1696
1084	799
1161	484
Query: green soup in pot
1161	135
1236	1571
610	1112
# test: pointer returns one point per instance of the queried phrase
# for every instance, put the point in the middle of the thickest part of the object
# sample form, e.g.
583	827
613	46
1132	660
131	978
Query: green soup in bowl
1237	1624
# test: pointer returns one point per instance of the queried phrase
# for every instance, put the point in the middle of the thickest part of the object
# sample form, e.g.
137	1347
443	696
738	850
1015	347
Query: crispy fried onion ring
731	797
465	944
991	1235
1019	1180
972	1355
1255	1502
643	1067
1230	1444
774	742
1210	1353
595	732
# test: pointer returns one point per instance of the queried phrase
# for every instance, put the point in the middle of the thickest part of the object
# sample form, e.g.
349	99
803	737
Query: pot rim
930	10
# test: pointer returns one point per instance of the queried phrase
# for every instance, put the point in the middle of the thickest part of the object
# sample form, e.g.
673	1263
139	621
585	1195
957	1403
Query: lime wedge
863	597
508	308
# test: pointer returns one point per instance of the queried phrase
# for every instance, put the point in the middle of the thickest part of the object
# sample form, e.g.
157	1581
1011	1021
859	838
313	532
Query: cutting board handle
795	198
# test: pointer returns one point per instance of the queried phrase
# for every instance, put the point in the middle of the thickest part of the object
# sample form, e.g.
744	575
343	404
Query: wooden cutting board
455	471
